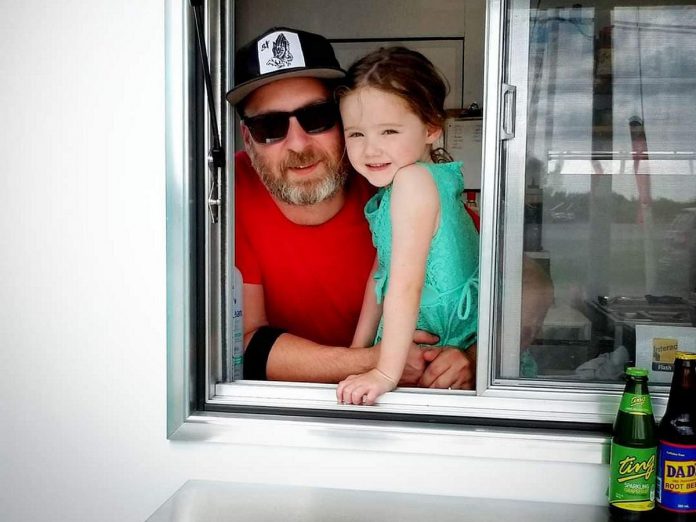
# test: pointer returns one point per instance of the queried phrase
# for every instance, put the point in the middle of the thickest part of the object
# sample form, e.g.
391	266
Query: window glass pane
610	184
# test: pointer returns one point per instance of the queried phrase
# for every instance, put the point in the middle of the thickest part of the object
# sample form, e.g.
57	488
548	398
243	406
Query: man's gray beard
301	193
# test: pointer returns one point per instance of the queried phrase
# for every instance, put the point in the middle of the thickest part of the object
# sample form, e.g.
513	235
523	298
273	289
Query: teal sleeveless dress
449	302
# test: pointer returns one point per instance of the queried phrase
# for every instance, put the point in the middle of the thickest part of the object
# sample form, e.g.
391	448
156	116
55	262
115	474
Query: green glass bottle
633	452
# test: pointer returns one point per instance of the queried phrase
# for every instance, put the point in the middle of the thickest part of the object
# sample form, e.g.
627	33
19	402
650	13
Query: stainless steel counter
209	501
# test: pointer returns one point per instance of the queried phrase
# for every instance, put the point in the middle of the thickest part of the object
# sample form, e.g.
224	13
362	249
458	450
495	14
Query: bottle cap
686	355
636	372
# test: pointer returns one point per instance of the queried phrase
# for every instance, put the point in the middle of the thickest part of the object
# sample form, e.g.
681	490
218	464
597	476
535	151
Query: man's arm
537	298
293	358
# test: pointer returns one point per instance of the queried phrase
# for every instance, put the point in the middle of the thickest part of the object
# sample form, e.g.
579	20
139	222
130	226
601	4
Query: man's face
302	168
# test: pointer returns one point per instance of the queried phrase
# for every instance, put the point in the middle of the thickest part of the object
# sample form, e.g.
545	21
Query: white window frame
200	407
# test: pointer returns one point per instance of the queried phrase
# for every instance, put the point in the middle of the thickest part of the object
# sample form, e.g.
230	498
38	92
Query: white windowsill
387	436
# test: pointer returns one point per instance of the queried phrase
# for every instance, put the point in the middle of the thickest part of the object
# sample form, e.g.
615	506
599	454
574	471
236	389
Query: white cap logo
280	50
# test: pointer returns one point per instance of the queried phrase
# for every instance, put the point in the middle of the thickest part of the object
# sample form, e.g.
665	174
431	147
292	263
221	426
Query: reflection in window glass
610	197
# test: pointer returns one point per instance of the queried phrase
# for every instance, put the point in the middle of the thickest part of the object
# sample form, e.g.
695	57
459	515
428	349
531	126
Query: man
302	243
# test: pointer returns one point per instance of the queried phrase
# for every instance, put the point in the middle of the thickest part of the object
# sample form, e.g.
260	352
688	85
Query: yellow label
631	469
665	350
680	476
664	353
635	506
632	477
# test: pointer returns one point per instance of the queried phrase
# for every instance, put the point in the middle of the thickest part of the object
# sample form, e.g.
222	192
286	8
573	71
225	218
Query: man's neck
313	214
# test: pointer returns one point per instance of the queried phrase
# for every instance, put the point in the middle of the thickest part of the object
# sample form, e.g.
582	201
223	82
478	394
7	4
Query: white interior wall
83	298
383	19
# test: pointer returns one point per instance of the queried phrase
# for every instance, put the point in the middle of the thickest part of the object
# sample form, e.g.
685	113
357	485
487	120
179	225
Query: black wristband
258	350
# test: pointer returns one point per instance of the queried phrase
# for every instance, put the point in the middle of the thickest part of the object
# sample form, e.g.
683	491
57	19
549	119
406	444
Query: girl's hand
364	388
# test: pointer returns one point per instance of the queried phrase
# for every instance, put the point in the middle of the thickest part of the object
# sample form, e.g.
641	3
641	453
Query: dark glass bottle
633	452
676	477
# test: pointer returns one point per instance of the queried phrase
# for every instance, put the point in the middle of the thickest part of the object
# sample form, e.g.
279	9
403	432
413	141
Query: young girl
426	272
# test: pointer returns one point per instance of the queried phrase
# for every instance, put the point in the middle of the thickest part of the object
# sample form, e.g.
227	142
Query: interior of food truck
608	157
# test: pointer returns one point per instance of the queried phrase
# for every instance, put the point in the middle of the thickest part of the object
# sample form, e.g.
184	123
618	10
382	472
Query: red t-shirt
313	277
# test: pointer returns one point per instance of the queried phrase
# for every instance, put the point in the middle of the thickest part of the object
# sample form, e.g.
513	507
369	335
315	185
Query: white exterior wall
83	297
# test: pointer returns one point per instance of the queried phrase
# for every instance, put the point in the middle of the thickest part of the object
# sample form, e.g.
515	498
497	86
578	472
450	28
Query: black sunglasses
271	127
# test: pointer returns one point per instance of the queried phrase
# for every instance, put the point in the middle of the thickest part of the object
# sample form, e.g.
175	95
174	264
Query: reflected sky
649	56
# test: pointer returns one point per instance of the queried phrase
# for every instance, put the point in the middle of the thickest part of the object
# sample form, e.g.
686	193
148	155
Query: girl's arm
370	314
415	212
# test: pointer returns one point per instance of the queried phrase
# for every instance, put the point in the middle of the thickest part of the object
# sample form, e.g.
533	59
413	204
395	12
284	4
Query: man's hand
449	368
416	363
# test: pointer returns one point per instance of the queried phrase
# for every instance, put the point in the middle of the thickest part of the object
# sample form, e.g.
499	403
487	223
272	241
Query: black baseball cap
280	53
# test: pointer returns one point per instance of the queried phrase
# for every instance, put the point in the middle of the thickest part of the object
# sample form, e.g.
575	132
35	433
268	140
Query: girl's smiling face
382	134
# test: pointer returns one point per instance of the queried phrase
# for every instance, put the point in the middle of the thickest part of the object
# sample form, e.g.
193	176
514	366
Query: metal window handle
216	161
507	125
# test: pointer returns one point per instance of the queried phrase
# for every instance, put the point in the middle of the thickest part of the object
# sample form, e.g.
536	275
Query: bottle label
676	477
632	403
632	484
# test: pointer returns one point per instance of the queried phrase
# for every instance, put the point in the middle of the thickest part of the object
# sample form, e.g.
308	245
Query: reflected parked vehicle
677	261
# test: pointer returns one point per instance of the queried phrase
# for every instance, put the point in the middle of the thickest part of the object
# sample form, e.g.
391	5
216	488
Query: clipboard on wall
463	140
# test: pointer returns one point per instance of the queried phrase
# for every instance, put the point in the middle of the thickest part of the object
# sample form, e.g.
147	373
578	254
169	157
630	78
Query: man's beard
302	192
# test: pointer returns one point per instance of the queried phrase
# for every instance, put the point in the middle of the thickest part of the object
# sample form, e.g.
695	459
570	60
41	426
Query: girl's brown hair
405	73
